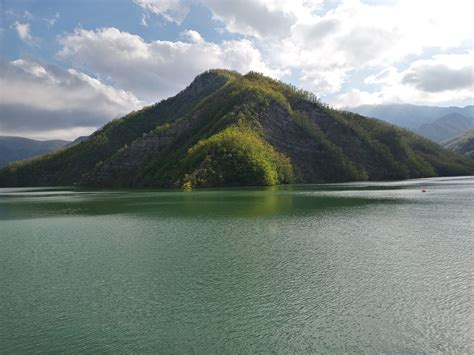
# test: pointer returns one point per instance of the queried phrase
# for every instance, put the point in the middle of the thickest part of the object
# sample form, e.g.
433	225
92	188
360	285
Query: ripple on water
360	267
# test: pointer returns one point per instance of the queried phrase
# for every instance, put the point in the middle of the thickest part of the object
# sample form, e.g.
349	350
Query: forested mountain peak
228	129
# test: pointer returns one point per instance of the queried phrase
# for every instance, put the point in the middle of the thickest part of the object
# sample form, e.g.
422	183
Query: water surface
360	267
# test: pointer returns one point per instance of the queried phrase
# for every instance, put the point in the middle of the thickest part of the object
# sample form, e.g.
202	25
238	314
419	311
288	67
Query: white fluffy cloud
154	70
442	79
348	52
328	43
38	97
23	31
259	18
442	73
328	46
170	10
363	36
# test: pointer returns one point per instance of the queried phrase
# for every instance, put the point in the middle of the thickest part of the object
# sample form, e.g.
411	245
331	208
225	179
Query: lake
340	268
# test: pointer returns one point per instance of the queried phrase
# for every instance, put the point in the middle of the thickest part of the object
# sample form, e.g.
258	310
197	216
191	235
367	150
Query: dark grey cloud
41	97
18	117
440	77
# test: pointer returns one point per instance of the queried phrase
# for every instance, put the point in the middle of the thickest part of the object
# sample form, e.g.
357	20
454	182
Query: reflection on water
250	202
359	267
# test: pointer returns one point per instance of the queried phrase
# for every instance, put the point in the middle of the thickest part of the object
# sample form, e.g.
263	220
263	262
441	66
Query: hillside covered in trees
227	129
463	144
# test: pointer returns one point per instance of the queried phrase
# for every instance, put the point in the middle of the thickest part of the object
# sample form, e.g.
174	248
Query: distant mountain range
463	145
433	122
16	148
446	127
228	129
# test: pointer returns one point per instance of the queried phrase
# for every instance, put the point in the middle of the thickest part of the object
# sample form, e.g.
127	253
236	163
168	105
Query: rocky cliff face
309	154
127	161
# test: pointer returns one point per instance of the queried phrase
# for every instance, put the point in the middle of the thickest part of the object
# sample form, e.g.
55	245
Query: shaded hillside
446	127
463	145
410	116
65	167
77	140
226	129
16	148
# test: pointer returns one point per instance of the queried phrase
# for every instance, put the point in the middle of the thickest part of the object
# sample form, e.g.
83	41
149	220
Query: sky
70	66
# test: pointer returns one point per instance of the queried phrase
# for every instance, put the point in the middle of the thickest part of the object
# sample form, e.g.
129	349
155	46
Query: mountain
446	127
227	129
463	145
77	140
410	116
16	148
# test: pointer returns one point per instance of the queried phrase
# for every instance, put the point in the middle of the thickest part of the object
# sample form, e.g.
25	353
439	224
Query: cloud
328	45
347	52
27	15
325	48
23	31
311	34
52	21
192	36
158	69
260	18
70	133
440	74
45	97
320	81
356	97
144	20
171	10
441	79
386	75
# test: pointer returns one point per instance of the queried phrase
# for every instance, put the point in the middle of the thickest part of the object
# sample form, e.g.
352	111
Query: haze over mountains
16	148
227	129
433	122
446	127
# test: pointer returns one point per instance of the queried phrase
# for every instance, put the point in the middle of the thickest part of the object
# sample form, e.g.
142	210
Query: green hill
462	145
227	129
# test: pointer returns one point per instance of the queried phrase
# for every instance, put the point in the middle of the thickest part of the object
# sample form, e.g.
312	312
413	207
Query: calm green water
365	268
